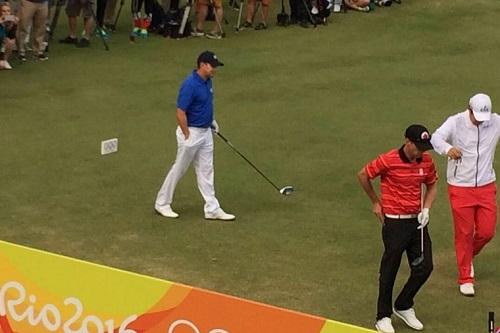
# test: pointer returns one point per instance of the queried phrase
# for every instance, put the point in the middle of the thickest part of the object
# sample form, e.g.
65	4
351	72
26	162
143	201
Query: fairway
308	106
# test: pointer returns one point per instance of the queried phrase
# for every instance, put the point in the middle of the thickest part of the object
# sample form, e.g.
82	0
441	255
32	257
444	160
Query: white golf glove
215	126
423	218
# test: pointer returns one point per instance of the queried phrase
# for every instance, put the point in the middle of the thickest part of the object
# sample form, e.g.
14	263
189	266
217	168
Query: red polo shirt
400	180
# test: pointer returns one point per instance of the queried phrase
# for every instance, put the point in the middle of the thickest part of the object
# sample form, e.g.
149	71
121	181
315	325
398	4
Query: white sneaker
467	289
4	64
219	214
166	211
384	325
408	316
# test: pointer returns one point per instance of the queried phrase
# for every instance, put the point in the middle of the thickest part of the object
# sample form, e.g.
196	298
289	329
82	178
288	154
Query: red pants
474	215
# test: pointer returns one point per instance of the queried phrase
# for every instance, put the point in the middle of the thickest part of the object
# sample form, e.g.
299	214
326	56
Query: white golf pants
198	149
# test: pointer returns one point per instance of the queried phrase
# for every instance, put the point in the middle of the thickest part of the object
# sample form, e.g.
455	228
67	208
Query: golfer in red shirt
402	214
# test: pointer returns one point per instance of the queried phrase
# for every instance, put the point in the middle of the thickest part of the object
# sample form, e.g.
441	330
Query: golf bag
299	11
173	21
282	18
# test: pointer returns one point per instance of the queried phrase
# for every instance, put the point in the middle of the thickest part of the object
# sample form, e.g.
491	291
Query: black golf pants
399	236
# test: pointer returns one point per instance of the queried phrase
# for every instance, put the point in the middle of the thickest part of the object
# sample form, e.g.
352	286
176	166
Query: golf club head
418	261
287	190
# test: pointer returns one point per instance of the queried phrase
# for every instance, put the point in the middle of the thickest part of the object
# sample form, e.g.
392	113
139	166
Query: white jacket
477	144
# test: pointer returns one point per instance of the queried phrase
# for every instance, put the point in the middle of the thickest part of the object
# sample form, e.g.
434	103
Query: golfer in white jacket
469	140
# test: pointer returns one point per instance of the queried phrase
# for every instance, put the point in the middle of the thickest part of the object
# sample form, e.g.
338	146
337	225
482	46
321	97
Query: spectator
33	15
360	5
251	8
109	15
73	10
8	27
201	16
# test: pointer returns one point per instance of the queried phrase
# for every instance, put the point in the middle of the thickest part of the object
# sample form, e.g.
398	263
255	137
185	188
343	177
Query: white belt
401	216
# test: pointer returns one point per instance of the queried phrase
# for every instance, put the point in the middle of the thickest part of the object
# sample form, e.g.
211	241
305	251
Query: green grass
308	107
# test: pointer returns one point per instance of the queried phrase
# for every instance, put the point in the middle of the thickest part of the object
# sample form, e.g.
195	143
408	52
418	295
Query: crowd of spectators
25	24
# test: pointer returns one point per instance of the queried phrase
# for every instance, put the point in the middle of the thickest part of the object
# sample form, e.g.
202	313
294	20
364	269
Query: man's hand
454	153
423	218
215	126
377	210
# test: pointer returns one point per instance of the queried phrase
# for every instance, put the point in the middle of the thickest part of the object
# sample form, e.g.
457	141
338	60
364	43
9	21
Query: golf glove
423	218
215	126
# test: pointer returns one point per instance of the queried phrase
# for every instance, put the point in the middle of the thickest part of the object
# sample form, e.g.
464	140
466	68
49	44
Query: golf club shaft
421	209
246	159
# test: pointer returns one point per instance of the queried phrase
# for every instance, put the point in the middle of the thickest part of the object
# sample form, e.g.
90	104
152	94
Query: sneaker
261	26
166	211
314	10
69	40
246	25
214	35
197	33
144	33
4	64
467	289
408	316
22	57
43	57
136	31
219	214
84	42
384	325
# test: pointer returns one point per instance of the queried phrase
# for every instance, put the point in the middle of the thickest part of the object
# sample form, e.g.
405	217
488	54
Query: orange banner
42	293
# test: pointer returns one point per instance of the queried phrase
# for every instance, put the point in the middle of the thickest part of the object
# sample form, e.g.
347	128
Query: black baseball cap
420	136
209	57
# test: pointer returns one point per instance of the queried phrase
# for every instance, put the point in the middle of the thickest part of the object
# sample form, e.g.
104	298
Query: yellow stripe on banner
332	326
130	293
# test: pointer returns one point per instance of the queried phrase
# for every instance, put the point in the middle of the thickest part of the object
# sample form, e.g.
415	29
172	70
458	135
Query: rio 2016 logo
50	316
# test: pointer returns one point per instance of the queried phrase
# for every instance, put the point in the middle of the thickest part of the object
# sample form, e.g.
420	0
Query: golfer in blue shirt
195	119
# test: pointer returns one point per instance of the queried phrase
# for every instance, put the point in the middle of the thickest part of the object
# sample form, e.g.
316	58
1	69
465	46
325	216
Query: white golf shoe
408	316
219	214
384	325
166	211
467	289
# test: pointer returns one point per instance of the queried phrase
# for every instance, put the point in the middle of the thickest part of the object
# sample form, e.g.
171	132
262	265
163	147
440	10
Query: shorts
216	3
74	7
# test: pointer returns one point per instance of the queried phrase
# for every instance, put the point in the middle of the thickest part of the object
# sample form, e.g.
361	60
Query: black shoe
246	25
261	26
43	57
69	40
84	42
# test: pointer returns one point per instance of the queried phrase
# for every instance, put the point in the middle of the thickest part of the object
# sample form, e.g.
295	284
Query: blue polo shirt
196	99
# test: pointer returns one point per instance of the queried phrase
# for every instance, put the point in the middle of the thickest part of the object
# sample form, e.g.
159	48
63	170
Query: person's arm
366	184
182	122
430	195
441	138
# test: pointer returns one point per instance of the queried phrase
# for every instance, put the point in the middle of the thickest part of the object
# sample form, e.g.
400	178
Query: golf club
420	259
286	190
240	12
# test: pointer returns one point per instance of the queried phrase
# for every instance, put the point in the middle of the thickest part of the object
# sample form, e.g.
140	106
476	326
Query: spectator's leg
101	7
109	13
219	12
39	21
250	9
201	14
26	11
265	11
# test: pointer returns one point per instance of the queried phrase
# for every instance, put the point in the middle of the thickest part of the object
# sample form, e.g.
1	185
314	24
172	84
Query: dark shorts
75	7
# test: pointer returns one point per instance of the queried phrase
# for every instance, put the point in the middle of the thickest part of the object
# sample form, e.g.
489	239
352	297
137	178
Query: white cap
480	104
